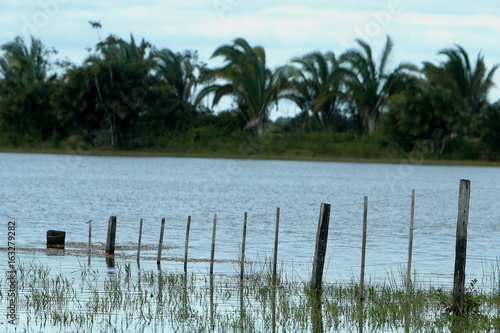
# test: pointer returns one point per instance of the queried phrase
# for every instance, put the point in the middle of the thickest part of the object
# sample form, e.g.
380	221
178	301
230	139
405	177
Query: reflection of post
242	308
276	234
321	241
212	324
273	306
361	317
139	242
410	247
187	244
461	248
160	245
316	313
185	309
363	251
243	247
110	261
212	252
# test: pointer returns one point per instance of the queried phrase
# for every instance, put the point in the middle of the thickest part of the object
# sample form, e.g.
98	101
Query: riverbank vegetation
133	96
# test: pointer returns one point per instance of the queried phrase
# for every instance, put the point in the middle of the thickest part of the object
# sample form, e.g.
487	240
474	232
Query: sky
286	29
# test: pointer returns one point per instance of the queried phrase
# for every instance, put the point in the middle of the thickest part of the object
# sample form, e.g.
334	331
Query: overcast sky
419	29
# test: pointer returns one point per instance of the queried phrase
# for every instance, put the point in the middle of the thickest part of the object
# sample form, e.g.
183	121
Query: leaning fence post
212	252
461	247
160	245
139	242
187	244
410	247
276	235
90	239
321	241
110	243
243	247
363	250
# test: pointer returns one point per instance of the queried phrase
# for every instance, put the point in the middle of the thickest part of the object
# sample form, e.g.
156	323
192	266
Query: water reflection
316	312
361	316
212	322
273	307
55	252
242	308
110	262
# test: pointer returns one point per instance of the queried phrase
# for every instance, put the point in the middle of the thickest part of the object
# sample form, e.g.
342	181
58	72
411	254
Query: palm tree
245	77
121	71
317	86
179	72
103	99
369	86
469	86
26	89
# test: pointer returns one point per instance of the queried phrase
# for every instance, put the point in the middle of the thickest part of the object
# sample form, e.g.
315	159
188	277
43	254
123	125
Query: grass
166	301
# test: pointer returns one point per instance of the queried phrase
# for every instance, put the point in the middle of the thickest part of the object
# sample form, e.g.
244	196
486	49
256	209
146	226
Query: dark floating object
55	239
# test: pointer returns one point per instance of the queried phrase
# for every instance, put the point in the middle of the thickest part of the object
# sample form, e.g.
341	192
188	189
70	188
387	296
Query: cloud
284	28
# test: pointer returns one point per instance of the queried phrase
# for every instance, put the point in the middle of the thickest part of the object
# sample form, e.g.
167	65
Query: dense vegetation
129	95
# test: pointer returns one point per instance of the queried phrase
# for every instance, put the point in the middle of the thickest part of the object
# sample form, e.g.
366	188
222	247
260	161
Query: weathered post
90	240
321	241
139	242
160	245
275	254
90	236
187	244
363	250
461	247
212	252
56	239
243	247
410	247
110	242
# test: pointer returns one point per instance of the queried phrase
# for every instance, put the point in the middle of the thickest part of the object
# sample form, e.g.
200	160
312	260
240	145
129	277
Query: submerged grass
160	301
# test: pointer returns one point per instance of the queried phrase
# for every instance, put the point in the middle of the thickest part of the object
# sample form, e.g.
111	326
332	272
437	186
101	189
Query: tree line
129	94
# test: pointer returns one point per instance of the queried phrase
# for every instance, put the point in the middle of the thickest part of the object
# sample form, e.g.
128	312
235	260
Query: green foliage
316	88
245	77
129	95
25	92
369	85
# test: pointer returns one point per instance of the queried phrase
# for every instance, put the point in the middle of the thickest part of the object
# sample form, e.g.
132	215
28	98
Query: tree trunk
260	127
372	121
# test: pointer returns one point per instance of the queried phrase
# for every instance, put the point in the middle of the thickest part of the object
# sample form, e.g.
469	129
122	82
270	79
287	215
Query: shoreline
408	160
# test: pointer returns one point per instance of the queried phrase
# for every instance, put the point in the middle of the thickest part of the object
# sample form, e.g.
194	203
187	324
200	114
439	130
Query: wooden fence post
243	247
110	243
212	251
90	236
90	239
321	241
160	245
410	247
363	250
139	242
461	247
276	235
187	244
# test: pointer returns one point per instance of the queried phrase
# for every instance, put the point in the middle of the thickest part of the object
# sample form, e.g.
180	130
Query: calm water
42	192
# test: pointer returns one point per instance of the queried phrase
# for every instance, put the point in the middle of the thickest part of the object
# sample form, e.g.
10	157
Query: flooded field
43	192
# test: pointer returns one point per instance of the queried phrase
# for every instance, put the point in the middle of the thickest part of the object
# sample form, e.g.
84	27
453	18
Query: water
42	192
